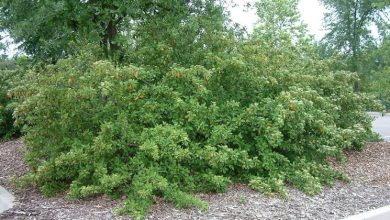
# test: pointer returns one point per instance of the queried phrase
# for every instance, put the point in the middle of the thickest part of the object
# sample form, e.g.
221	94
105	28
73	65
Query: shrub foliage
11	72
96	128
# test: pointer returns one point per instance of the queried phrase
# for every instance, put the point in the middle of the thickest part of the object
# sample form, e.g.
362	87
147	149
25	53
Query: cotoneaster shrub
258	116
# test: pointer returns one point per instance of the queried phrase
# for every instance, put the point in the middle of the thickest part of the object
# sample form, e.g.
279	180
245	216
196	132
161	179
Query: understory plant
11	73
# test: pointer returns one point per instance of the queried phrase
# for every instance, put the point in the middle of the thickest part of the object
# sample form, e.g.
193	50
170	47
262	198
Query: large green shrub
94	128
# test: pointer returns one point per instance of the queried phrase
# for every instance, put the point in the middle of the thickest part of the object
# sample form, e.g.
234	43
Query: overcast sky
312	13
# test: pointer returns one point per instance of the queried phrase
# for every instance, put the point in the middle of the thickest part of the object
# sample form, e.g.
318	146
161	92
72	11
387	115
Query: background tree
49	30
281	28
348	23
180	33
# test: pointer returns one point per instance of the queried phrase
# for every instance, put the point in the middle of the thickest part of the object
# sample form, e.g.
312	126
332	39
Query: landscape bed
121	121
369	189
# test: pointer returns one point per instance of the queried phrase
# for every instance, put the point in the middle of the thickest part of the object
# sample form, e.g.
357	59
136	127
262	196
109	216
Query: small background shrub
11	73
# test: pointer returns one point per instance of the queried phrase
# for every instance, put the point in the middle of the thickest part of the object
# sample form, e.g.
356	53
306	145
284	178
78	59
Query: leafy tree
348	23
180	34
376	62
50	30
280	19
281	30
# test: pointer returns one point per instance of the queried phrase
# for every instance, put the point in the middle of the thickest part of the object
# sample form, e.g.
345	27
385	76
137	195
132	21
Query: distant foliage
377	72
351	34
11	73
157	32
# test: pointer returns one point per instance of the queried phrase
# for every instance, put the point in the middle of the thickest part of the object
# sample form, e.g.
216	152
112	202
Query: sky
312	13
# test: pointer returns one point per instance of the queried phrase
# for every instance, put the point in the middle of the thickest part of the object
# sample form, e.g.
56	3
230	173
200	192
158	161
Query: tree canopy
50	30
350	25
